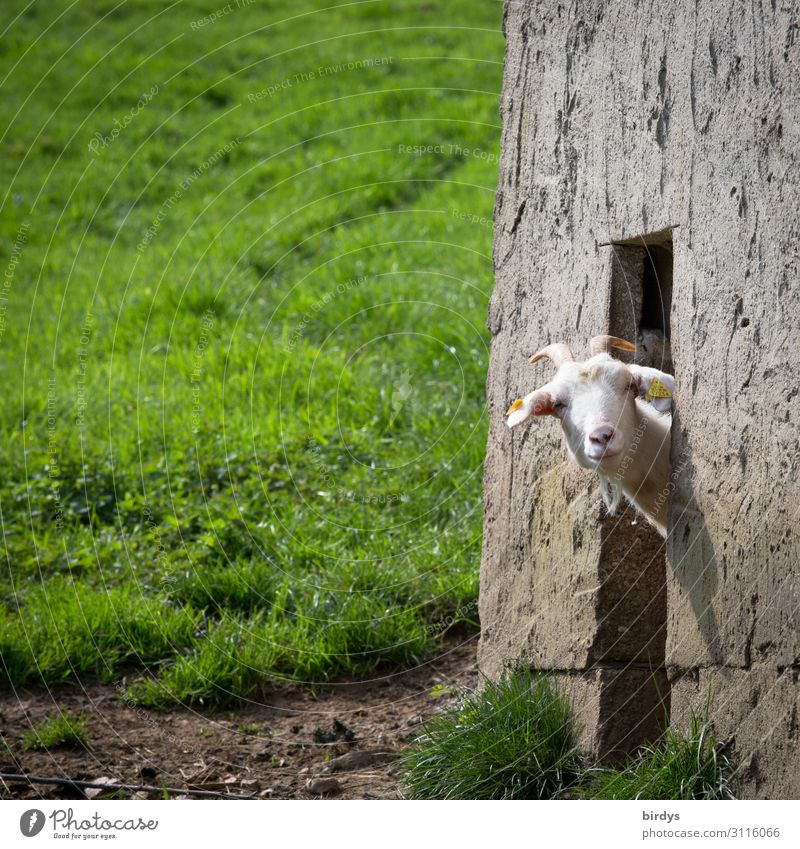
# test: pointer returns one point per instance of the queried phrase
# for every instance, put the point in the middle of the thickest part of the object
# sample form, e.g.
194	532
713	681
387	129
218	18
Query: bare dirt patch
339	740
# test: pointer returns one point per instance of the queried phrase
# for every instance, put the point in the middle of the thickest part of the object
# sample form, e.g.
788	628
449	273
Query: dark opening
656	288
641	288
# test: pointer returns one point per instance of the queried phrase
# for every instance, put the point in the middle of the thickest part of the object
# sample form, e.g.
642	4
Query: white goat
615	419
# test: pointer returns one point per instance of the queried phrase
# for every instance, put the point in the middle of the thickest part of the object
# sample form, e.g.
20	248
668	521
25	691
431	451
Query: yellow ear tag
515	406
658	390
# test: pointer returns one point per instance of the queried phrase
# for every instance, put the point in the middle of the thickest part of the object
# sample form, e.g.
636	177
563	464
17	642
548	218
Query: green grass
514	739
62	729
681	765
242	338
60	632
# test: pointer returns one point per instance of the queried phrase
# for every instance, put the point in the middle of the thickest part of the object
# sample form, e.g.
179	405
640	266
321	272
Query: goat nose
601	435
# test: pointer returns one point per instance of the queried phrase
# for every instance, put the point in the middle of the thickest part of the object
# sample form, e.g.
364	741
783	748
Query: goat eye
559	405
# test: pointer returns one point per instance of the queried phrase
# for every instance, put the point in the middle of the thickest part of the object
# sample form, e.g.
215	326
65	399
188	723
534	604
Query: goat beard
611	493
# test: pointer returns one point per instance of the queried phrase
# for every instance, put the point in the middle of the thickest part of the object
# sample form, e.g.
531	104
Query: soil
339	740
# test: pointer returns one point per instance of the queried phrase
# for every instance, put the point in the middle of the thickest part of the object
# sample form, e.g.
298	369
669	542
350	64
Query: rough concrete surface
674	126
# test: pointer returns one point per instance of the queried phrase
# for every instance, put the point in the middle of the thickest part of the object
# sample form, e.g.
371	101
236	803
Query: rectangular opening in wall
641	296
657	288
632	598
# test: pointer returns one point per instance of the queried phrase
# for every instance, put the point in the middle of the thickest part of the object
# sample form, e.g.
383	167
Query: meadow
246	260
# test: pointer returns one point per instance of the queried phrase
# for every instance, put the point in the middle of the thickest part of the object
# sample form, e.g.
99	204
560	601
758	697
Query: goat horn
558	352
601	344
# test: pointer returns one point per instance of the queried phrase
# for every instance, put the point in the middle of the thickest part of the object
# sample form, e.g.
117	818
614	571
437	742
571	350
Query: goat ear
654	386
538	403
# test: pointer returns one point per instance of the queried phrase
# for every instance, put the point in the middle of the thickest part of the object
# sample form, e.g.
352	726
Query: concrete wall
674	124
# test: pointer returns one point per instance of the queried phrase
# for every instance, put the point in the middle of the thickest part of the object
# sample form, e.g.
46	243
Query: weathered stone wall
649	122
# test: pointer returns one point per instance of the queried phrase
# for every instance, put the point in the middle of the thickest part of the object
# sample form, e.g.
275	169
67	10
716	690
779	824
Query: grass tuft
65	630
224	668
512	740
679	766
240	654
63	729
